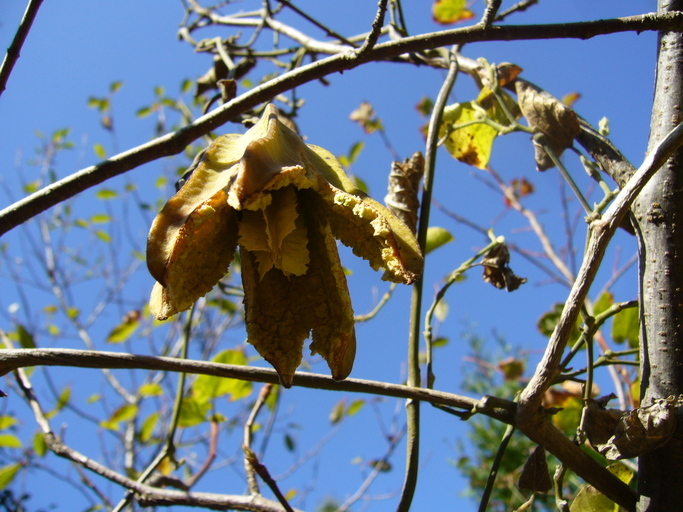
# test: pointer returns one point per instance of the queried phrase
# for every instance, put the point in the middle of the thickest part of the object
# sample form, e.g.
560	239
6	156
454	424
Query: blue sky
76	50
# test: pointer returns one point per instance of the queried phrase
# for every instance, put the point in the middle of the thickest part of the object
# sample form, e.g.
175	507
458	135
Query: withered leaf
535	475
496	269
556	124
283	203
404	185
641	430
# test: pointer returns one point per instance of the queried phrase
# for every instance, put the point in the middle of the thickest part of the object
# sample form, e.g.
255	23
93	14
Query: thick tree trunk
659	224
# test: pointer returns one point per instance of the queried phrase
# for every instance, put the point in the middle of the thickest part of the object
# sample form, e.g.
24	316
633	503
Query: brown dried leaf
556	124
496	269
535	476
404	185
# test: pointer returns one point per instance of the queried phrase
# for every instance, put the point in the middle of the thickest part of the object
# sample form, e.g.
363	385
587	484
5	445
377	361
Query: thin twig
375	31
490	12
412	407
248	426
14	50
491	480
263	472
168	448
385	298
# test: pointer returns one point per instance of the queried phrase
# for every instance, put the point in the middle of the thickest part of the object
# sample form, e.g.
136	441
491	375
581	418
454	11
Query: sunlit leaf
436	237
291	494
124	413
125	329
470	143
7	422
150	389
193	412
103	235
25	338
446	12
148	427
39	444
355	406
9	441
208	387
7	474
99	150
100	218
626	327
603	303
106	193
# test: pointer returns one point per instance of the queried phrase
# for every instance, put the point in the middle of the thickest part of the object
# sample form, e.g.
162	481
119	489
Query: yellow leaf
446	12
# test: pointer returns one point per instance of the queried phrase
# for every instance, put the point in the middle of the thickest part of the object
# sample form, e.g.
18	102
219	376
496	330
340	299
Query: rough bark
658	216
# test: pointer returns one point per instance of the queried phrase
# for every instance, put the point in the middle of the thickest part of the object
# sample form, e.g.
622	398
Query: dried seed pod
404	185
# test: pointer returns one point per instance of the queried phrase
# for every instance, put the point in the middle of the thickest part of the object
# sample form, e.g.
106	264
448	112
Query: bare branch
173	143
18	358
14	50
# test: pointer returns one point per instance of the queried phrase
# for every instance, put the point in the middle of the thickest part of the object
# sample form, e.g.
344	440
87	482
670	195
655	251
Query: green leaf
549	320
7	474
289	443
95	103
115	86
94	398
148	427
31	187
106	193
208	387
100	218
99	150
25	338
185	86
7	422
150	389
355	406
361	184
158	91
355	151
62	401
626	327
603	303
103	235
589	499
39	444
192	412
124	413
273	397
436	237
144	112
72	313
9	441
124	330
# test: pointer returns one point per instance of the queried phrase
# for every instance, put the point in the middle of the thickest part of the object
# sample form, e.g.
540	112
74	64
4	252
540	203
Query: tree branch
14	50
501	410
175	142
